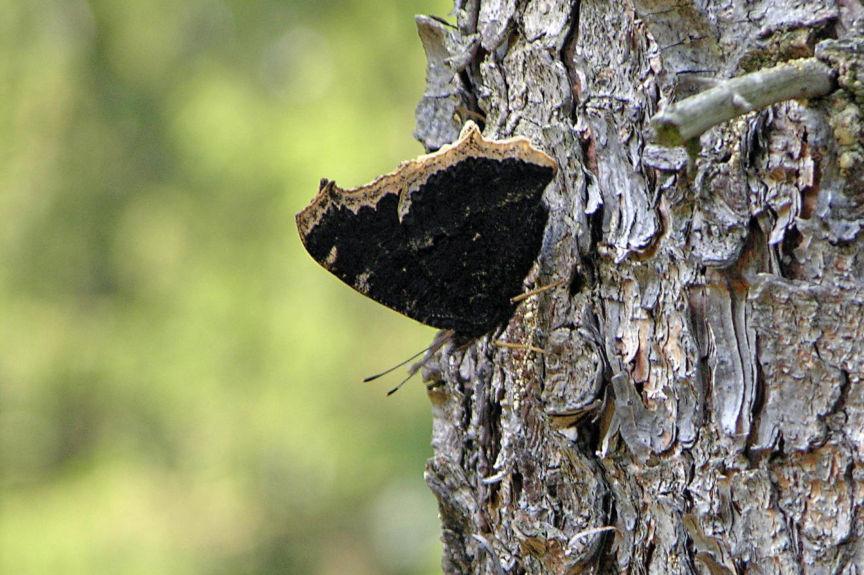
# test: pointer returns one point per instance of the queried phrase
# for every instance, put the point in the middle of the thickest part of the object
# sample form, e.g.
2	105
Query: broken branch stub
688	119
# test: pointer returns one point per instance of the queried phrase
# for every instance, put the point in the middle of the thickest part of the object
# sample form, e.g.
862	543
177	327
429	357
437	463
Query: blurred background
179	382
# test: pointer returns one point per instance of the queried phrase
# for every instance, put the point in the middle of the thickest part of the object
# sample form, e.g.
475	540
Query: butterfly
446	239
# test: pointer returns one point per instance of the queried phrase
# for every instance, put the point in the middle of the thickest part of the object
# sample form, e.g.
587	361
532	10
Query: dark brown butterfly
446	239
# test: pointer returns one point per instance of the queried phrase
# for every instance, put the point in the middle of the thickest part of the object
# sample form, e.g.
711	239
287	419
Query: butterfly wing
446	239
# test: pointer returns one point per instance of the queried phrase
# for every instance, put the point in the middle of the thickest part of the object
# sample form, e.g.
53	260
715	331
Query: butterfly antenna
401	383
397	366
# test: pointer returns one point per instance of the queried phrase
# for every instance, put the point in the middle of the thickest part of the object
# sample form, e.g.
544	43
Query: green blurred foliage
178	379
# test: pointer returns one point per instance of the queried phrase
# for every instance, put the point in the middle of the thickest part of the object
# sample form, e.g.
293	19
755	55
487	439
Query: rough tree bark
700	392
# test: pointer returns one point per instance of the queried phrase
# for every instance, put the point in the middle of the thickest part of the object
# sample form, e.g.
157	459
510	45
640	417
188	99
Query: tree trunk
699	394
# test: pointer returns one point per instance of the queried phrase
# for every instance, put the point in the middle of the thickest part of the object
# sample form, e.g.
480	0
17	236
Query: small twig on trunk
688	119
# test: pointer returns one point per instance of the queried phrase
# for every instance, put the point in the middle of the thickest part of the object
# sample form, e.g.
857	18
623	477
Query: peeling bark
700	389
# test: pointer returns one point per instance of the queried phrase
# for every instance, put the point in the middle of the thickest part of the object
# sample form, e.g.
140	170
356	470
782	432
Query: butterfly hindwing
446	239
